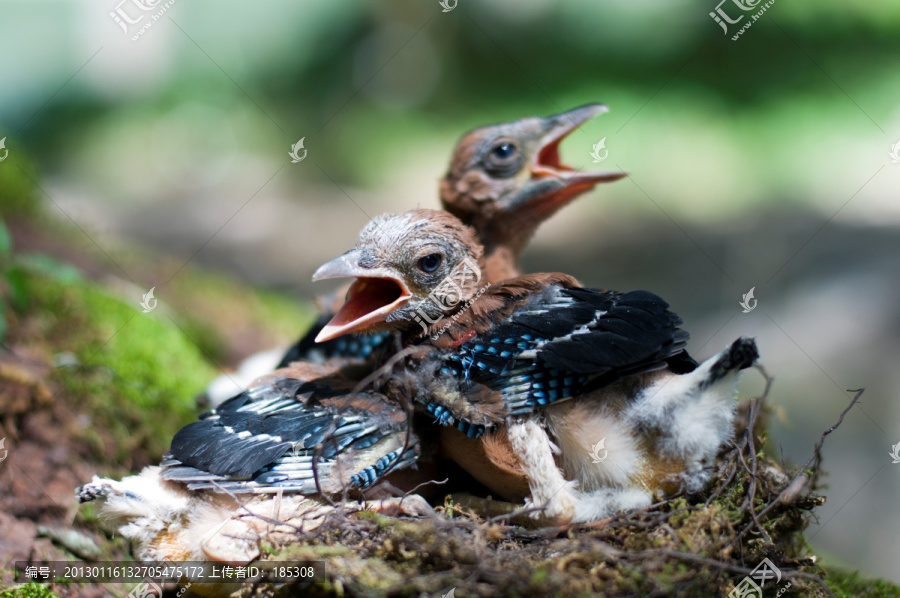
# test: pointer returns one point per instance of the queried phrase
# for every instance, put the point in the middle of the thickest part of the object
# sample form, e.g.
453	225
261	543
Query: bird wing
269	436
555	345
359	346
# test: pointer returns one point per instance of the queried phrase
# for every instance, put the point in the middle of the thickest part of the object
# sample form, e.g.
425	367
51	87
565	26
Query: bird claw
90	492
96	488
558	510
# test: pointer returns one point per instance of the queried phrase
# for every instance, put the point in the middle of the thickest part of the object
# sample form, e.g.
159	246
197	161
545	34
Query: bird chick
552	367
504	181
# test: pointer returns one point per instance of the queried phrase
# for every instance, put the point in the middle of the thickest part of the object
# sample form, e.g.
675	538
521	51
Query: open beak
374	294
546	162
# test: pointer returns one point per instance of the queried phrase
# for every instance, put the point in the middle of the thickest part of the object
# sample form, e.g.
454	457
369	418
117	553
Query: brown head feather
506	179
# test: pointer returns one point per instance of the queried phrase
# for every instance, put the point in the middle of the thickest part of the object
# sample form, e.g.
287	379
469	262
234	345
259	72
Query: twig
416	489
384	370
755	407
790	488
317	452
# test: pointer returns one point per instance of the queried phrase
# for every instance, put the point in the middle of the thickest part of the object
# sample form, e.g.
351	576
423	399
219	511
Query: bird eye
503	159
504	150
430	262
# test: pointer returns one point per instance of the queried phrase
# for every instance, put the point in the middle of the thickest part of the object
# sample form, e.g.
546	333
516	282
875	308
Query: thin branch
791	488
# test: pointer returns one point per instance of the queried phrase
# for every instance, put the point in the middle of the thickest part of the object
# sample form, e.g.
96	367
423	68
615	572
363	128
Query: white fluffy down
673	417
166	521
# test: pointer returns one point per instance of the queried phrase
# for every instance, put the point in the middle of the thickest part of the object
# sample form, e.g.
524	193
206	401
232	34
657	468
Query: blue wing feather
359	346
561	344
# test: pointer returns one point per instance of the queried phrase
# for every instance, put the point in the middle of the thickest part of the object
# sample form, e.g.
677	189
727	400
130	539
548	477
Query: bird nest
742	534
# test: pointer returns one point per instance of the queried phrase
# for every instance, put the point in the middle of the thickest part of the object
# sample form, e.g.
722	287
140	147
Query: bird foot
559	509
92	491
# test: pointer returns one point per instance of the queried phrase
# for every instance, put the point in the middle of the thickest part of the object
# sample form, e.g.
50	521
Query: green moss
380	520
538	577
28	590
86	515
135	375
849	584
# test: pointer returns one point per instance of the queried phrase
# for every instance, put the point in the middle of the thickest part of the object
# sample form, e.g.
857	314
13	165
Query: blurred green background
762	162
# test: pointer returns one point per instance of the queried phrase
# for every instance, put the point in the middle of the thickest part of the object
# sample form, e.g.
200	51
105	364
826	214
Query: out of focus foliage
804	97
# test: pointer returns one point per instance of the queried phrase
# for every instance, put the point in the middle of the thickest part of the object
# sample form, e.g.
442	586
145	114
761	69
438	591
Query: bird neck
505	238
495	303
500	263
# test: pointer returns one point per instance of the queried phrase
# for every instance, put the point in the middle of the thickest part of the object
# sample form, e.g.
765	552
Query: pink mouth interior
366	297
548	157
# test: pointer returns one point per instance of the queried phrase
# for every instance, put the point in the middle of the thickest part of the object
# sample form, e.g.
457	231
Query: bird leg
552	496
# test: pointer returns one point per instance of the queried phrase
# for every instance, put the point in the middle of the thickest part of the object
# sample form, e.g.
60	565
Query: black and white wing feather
268	437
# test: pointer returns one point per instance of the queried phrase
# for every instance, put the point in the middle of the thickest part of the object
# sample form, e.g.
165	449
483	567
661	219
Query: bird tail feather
739	356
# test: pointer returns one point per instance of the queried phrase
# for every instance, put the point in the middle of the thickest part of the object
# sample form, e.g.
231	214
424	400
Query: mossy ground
92	385
122	365
850	584
28	590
